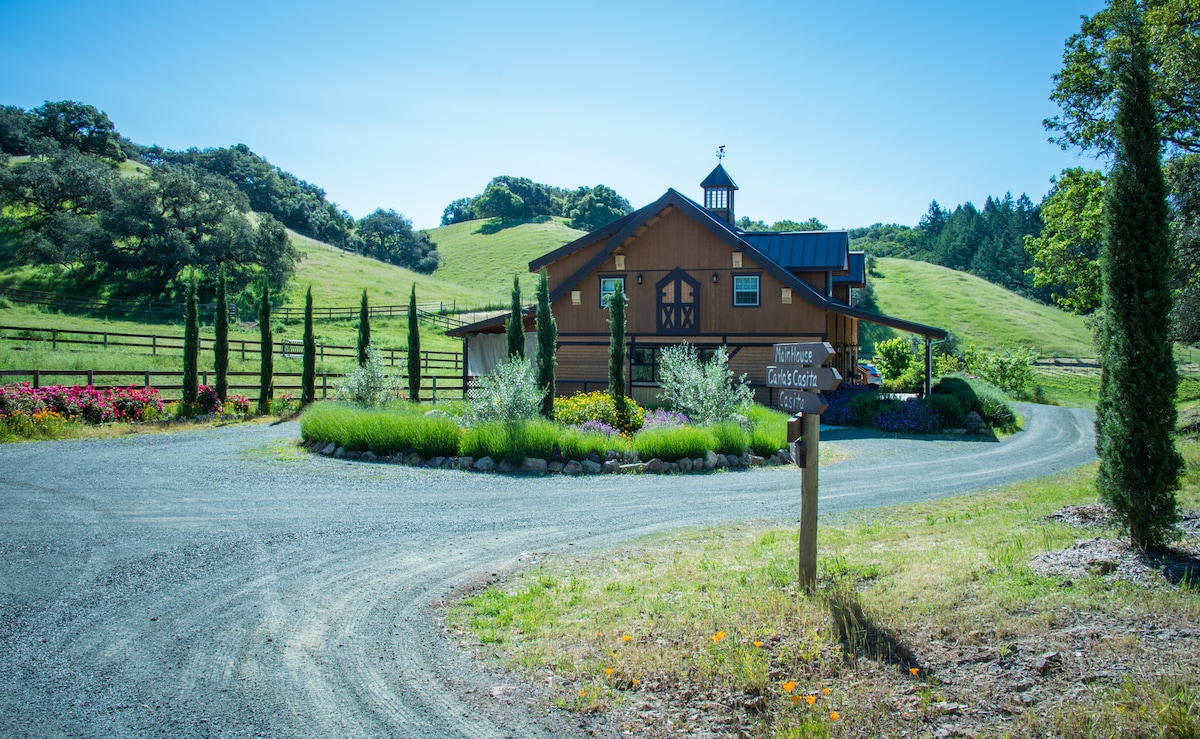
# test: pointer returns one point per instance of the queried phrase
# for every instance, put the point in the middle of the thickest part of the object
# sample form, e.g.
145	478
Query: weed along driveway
223	583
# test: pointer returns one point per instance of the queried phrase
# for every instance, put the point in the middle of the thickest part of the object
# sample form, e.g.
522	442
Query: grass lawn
482	254
977	311
928	618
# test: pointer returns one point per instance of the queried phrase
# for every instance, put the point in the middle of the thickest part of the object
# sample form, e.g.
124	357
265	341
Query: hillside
977	311
479	254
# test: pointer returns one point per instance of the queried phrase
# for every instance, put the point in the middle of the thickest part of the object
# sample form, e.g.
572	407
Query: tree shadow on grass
860	636
495	225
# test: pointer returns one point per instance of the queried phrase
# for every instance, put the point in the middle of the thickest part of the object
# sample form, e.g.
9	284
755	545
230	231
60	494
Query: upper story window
745	290
608	285
716	198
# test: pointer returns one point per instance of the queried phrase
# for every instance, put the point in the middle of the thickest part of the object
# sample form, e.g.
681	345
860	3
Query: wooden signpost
801	382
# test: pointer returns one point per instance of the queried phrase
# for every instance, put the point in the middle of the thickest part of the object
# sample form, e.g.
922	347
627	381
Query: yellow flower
811	699
635	681
915	671
719	636
825	690
583	692
834	715
795	698
627	637
789	686
758	644
607	670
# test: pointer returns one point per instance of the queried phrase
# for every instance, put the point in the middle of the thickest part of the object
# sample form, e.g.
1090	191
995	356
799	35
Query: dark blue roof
718	178
802	251
857	277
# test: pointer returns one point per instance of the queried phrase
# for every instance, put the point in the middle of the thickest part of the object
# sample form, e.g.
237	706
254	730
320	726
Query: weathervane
720	152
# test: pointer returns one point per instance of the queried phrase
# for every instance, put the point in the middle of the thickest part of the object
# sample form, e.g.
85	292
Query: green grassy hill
977	311
484	256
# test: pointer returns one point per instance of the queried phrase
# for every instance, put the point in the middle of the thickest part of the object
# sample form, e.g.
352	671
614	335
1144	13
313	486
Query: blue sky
853	112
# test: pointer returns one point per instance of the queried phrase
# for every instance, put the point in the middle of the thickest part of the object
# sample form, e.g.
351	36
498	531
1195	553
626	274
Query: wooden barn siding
678	241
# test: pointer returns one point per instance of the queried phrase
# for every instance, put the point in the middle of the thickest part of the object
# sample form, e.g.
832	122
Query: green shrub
508	393
948	409
893	357
369	383
598	406
381	431
1012	371
511	441
705	391
729	438
770	430
997	412
672	442
865	406
576	443
961	390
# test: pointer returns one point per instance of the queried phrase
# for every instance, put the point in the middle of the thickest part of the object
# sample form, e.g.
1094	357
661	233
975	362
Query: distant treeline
519	198
989	243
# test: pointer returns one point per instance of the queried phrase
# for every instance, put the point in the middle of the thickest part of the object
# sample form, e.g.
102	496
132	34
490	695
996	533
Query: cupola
718	194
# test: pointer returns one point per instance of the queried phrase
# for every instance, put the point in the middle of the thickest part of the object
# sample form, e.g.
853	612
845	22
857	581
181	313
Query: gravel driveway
222	583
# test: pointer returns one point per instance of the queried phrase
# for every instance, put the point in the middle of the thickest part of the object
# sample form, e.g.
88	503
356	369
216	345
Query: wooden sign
813	353
796	377
801	401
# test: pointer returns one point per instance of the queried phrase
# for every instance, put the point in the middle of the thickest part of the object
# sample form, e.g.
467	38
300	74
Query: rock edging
612	462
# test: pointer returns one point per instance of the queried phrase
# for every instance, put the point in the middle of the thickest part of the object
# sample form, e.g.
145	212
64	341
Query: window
608	285
745	290
716	198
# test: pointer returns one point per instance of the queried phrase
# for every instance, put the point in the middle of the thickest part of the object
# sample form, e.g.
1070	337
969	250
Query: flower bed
405	434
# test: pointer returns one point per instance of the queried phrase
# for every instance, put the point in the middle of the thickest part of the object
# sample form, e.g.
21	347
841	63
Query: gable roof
620	231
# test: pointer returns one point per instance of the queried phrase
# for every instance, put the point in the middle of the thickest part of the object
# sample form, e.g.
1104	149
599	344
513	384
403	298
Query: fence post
91	381
105	339
147	378
243	349
153	350
204	377
37	378
54	340
324	385
434	378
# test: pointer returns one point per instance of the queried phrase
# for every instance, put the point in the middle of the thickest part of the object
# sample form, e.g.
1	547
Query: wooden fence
442	363
170	383
435	313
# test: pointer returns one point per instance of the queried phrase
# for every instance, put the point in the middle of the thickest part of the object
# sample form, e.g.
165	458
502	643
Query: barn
691	275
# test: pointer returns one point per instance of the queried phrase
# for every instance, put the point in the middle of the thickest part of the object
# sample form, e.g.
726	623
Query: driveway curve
221	583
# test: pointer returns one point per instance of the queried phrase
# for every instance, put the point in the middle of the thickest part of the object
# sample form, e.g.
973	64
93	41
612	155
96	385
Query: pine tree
616	353
191	348
414	349
364	330
221	344
308	380
547	337
1135	411
266	346
514	327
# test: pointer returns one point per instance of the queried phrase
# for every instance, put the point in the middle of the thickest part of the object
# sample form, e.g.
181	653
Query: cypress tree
364	330
547	338
191	347
414	349
266	347
616	353
514	328
1135	411
308	381
221	345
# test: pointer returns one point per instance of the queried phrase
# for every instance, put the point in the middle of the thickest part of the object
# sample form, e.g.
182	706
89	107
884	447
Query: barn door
678	304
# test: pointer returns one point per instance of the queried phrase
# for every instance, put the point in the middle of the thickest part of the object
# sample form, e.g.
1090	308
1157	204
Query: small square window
745	290
576	297
786	295
608	285
619	261
737	260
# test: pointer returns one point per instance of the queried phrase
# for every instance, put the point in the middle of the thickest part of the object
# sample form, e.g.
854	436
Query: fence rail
432	386
153	343
436	313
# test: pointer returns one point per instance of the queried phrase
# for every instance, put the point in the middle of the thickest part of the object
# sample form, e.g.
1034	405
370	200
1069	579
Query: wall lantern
639	279
714	278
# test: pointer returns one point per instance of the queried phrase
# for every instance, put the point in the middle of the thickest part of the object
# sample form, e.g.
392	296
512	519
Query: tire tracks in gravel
201	587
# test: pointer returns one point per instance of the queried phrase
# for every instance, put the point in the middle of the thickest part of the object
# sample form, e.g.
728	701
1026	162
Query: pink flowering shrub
85	403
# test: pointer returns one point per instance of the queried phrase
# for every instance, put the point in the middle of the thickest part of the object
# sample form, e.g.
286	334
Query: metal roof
803	251
718	178
857	276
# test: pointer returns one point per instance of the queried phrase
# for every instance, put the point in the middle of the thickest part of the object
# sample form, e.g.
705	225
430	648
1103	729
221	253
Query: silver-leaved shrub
508	393
706	391
369	384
